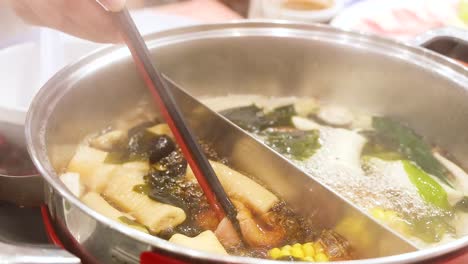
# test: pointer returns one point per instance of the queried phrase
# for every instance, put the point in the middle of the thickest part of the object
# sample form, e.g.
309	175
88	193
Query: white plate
25	67
400	19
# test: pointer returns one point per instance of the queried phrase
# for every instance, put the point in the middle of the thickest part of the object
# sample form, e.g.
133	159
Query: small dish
20	183
305	11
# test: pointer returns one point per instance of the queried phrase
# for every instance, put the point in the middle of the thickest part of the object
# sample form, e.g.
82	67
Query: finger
112	5
97	25
82	18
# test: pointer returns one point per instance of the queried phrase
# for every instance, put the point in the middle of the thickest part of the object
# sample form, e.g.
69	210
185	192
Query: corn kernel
389	214
378	213
318	247
297	252
309	250
286	251
274	253
320	257
297	245
391	218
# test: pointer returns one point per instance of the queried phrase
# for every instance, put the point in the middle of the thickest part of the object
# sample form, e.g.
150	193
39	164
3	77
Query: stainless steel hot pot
418	86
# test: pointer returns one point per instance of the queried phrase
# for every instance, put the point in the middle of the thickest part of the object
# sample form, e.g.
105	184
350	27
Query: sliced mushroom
453	195
362	122
307	106
342	146
335	115
303	123
461	177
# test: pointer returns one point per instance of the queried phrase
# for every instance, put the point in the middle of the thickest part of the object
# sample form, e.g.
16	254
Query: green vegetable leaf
281	116
429	189
250	118
297	143
141	146
410	145
253	118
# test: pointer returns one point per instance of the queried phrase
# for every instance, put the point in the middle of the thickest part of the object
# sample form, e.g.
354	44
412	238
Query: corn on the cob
311	251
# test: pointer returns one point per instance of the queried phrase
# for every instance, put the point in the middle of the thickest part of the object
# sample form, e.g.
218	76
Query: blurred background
30	55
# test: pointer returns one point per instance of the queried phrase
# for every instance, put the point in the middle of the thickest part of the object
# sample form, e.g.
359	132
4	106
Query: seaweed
299	144
142	145
402	139
254	119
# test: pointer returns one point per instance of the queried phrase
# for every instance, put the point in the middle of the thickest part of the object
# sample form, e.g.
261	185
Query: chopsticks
162	96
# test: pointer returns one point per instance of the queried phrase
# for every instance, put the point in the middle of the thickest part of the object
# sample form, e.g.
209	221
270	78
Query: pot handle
448	41
34	254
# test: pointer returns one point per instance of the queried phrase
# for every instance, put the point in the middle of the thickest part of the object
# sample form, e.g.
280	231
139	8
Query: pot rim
442	66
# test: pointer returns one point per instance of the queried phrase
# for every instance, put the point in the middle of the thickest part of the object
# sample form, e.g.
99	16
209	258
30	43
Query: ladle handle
449	41
162	96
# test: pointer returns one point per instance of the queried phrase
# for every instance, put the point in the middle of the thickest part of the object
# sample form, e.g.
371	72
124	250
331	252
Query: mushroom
335	115
303	123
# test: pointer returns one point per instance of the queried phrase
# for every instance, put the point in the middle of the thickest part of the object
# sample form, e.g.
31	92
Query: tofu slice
72	181
86	160
242	188
89	163
154	215
97	203
205	241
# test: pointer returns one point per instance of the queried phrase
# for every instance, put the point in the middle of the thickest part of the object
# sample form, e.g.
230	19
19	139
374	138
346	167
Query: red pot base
148	257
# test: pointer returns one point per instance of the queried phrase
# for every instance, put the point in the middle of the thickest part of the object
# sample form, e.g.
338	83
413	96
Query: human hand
82	18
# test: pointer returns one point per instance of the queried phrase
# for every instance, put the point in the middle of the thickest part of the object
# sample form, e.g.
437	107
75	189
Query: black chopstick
206	177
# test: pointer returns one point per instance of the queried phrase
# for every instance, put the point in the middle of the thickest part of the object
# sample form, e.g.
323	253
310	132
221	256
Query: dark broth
166	183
